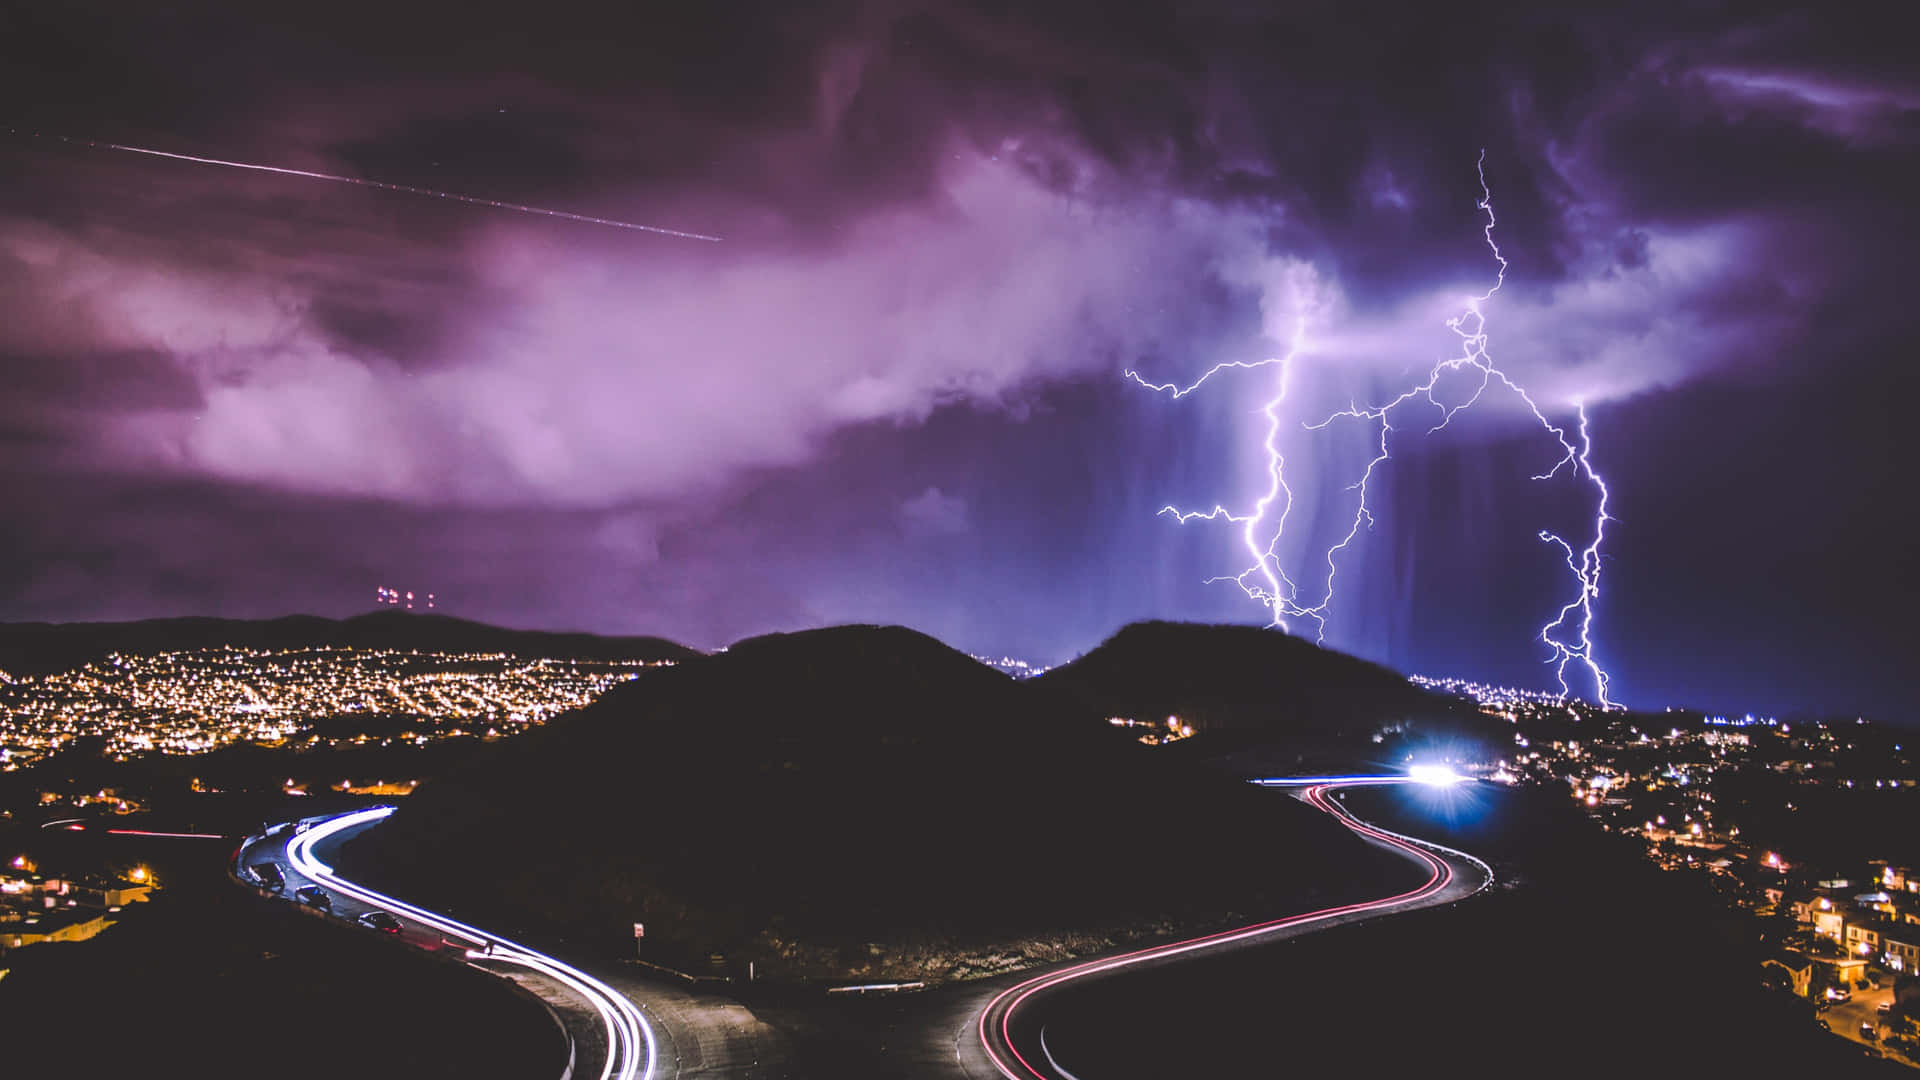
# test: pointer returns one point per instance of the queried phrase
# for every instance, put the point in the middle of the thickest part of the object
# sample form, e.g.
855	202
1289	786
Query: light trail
405	189
167	835
1275	590
996	1020
631	1050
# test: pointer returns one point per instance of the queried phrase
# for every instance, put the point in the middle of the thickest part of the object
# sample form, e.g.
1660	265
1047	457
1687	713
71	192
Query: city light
195	701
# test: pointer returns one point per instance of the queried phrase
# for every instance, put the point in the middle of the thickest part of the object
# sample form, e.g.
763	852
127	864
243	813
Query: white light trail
407	189
630	1040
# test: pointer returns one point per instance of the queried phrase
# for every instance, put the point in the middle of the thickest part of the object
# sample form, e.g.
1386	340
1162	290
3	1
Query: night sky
894	391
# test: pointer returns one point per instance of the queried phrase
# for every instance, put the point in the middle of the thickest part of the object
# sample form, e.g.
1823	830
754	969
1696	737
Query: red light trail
1008	1001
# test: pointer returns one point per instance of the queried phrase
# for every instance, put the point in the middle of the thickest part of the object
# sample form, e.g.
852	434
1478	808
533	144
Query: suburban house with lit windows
1821	913
1863	938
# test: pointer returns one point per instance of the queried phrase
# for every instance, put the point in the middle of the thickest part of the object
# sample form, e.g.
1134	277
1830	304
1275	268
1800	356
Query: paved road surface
1005	1036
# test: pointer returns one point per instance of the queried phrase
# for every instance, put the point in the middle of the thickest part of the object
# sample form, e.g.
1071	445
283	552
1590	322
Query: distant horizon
984	656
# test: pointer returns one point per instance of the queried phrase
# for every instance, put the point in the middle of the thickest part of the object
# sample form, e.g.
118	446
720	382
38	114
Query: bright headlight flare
1434	775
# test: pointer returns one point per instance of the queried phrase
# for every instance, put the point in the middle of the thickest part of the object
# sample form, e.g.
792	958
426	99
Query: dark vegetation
865	801
1595	964
210	980
239	783
43	648
1226	677
1269	702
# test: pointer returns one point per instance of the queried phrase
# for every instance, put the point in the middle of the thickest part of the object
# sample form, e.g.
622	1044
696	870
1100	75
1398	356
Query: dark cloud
892	391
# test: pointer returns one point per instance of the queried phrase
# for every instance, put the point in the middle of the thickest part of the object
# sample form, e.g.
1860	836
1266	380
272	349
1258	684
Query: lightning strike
1586	571
406	189
1569	635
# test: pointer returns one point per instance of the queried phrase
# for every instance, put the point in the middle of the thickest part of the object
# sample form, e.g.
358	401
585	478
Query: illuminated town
196	701
1794	823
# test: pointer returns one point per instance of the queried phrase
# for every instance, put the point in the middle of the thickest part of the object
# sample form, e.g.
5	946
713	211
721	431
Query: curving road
1013	1040
631	1048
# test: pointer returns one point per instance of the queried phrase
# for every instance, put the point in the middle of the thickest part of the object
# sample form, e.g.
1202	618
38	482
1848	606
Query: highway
1009	1034
631	1050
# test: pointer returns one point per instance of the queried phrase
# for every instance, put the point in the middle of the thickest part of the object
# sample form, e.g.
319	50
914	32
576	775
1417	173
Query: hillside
852	801
1247	679
42	648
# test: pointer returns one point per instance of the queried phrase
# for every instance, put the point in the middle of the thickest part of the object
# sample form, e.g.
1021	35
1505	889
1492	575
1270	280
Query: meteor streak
407	189
1569	634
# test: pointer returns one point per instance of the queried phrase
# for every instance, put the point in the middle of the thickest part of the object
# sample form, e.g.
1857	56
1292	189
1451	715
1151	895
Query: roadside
1864	1019
208	980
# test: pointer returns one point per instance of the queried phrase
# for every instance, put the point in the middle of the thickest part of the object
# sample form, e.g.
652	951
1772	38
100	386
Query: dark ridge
43	648
856	800
1244	679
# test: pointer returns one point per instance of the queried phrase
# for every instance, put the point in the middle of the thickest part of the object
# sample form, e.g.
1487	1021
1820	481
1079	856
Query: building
1900	948
1821	913
1863	938
1796	969
65	924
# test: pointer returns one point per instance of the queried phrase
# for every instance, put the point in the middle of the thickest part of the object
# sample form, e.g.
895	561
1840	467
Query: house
1796	969
1863	938
63	925
1900	948
1897	878
1842	971
1821	913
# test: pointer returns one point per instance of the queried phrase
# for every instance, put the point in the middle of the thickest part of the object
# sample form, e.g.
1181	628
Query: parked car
1866	1030
269	876
315	897
381	921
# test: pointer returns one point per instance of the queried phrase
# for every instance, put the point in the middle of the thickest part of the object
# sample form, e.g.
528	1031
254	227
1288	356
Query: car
1885	1008
381	921
314	897
268	875
1866	1030
1824	1026
1838	994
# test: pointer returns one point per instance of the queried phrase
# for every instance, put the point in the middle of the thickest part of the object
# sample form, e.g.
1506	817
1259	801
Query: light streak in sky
407	189
1278	592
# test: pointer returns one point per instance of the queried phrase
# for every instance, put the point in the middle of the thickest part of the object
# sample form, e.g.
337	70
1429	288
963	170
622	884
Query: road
1007	1037
627	1049
1845	1019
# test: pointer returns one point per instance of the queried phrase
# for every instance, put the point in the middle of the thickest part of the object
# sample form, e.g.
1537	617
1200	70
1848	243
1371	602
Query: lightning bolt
1569	635
1586	571
1266	581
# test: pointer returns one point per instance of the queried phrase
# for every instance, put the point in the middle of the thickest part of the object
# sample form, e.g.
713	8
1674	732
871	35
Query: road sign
639	931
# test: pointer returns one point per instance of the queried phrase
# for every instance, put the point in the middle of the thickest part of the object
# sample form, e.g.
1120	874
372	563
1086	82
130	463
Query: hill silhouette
1243	678
858	800
43	648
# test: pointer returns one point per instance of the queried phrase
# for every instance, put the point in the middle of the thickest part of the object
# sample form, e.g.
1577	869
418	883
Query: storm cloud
948	229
